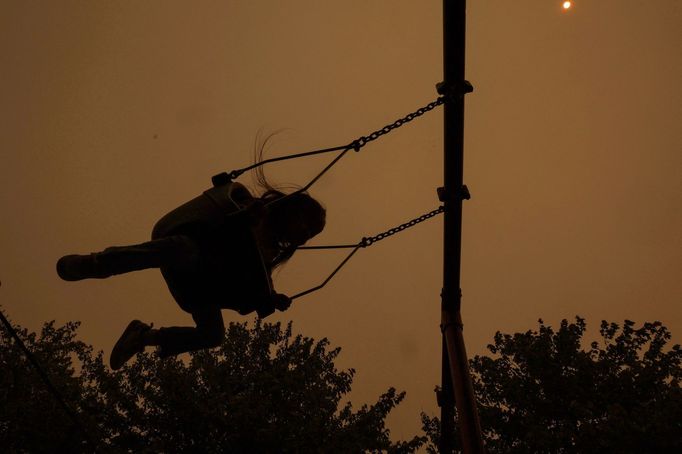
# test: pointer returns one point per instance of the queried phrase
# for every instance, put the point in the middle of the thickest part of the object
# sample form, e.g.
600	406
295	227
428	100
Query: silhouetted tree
262	390
542	392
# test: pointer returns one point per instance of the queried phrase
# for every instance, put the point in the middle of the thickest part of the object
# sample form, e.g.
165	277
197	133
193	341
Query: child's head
292	220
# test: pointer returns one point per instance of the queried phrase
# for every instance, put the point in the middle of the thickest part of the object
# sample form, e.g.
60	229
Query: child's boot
129	344
77	267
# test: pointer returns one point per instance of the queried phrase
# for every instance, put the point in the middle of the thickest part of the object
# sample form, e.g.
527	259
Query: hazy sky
114	112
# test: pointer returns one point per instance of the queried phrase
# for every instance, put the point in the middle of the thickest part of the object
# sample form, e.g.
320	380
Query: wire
70	413
236	173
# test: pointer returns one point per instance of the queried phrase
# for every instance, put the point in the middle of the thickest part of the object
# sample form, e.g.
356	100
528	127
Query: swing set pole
457	390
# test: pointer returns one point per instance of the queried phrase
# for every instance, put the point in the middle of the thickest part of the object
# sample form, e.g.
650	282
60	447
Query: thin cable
235	173
329	278
329	166
71	414
305	188
335	246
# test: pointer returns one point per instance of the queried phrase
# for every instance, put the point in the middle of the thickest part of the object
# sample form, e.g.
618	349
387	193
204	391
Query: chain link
360	142
366	242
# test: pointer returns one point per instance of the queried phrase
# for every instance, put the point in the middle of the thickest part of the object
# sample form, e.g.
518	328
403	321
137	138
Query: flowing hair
300	207
258	177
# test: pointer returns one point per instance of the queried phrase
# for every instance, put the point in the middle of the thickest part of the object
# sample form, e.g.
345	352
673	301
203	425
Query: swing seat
232	273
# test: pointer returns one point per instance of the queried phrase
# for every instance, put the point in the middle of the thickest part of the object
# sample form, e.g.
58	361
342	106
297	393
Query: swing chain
356	145
366	242
360	142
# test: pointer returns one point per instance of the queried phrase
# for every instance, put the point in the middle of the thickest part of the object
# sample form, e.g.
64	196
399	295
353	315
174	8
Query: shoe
78	267
129	344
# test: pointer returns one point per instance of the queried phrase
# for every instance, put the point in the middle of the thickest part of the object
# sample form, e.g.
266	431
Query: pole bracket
448	321
462	194
450	91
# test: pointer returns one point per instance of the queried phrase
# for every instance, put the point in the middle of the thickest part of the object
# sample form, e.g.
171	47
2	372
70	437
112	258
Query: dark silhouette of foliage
541	392
262	390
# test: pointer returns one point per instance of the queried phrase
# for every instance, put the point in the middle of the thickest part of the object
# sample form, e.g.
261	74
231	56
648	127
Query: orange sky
113	113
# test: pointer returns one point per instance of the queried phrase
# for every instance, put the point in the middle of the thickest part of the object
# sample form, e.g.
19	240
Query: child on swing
215	252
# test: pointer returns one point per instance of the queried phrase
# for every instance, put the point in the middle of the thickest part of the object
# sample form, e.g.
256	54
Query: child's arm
277	301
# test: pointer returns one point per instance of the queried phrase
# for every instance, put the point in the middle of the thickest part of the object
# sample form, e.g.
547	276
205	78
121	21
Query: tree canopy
540	391
267	390
262	390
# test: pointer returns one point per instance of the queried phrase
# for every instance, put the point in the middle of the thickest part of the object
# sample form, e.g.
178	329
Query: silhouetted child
215	252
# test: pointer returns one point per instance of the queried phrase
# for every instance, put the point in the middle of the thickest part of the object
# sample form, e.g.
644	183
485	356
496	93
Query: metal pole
446	400
455	358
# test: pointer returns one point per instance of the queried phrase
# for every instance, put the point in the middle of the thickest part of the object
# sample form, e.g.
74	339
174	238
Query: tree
262	390
541	392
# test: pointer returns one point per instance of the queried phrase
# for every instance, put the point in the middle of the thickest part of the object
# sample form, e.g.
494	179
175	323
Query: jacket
231	272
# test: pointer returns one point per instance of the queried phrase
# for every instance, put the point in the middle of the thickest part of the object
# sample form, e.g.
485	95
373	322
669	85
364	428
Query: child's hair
294	218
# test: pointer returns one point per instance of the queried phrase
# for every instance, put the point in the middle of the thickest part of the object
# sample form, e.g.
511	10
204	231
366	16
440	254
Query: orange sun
567	4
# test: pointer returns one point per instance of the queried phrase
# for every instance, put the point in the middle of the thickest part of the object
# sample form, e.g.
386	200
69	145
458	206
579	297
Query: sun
567	5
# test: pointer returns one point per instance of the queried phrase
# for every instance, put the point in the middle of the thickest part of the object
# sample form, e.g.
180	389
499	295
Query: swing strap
365	242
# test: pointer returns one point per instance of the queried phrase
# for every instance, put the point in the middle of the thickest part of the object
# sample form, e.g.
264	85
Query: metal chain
356	145
366	242
364	140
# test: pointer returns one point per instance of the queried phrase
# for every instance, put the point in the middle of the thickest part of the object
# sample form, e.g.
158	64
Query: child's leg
209	332
178	252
